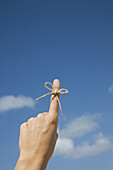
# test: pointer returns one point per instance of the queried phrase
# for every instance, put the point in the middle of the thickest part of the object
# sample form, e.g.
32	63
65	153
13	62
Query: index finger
54	105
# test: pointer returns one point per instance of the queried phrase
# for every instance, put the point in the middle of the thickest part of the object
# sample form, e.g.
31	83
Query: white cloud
110	89
80	126
65	147
12	102
77	128
101	144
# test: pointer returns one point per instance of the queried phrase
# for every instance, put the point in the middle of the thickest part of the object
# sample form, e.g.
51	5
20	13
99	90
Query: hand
38	137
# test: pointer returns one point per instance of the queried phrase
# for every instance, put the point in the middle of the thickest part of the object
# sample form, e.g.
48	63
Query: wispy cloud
12	102
77	128
110	89
80	126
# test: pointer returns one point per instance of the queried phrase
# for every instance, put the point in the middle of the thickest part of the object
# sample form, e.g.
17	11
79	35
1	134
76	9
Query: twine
54	92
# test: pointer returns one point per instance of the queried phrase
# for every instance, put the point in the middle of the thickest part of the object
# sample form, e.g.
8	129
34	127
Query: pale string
54	92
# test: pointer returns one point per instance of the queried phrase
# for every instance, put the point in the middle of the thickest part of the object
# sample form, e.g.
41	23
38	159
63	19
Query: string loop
54	92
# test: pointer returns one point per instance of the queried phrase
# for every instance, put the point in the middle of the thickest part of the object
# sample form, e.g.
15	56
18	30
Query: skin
38	137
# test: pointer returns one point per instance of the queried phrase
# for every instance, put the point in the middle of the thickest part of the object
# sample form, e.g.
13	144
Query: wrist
30	162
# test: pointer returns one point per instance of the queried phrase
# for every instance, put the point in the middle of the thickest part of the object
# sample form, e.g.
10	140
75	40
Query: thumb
54	105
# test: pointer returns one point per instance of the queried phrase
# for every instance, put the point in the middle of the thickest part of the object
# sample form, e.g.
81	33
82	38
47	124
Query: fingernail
56	82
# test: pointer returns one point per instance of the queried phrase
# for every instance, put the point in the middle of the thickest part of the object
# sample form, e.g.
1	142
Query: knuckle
40	115
30	120
45	113
53	120
22	125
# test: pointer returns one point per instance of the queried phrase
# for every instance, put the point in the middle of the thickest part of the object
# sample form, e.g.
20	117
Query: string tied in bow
54	92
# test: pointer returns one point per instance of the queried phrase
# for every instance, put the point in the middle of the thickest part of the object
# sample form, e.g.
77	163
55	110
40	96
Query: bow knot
54	92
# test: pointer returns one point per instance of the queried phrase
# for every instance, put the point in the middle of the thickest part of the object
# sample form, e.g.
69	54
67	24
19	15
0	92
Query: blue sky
71	41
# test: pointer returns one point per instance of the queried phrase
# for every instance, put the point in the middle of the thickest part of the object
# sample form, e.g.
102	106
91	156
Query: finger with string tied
56	92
